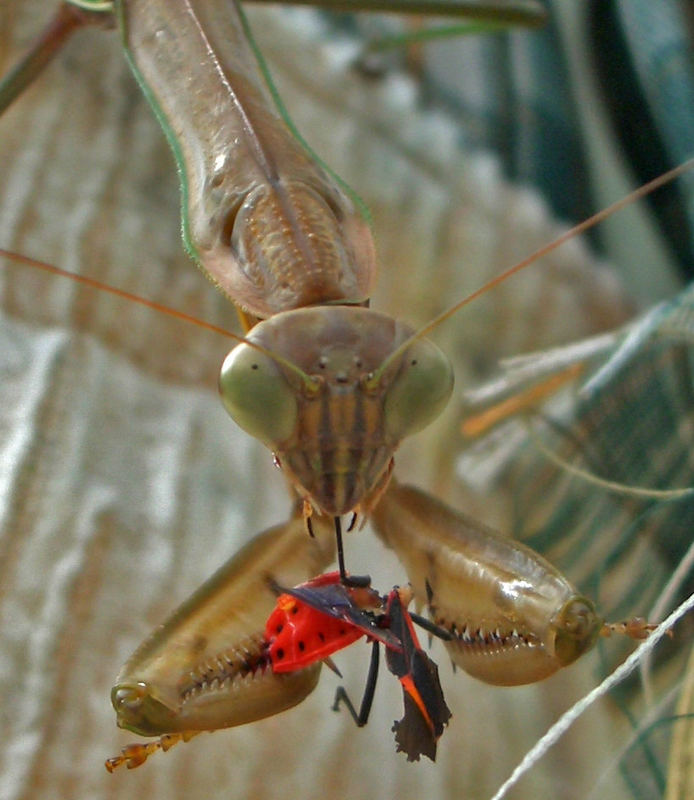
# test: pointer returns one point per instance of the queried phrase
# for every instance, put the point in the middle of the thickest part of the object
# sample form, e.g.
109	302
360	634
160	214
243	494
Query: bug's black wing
426	712
335	600
413	734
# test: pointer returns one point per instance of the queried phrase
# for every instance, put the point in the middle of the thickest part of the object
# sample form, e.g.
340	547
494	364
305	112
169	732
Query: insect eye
420	391
257	395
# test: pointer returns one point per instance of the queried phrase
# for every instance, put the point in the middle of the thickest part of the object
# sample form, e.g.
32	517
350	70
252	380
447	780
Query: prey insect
314	620
425	587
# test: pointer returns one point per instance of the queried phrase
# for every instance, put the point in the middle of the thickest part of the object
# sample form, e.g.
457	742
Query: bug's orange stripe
411	689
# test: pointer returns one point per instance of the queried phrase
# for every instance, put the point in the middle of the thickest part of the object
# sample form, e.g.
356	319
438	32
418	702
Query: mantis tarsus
81	758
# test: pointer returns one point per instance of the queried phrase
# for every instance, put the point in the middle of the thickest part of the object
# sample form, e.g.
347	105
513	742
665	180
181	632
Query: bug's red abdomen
299	635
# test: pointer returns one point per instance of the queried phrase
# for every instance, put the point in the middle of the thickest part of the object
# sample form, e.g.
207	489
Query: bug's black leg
341	695
432	627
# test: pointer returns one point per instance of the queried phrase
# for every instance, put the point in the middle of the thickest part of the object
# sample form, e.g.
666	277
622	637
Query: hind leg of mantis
71	16
523	12
67	20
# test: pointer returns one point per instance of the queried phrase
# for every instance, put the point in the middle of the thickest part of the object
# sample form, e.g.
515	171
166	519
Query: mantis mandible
173	368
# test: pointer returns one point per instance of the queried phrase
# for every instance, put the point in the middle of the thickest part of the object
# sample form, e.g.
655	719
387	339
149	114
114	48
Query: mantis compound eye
257	395
419	391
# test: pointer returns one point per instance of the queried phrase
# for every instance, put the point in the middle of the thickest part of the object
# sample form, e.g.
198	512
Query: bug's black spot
279	654
279	628
302	646
321	636
295	609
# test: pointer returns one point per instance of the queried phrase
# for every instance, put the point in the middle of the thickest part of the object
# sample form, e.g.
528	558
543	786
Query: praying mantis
162	503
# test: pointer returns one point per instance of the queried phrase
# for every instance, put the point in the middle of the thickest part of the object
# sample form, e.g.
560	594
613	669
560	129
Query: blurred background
123	485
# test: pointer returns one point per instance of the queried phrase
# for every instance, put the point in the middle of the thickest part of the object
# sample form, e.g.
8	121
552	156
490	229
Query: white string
663	600
568	718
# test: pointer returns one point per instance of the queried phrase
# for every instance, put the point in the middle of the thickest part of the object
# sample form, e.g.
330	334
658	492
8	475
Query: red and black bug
316	619
320	617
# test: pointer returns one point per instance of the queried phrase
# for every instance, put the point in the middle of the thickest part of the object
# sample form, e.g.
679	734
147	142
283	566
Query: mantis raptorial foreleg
205	668
515	619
